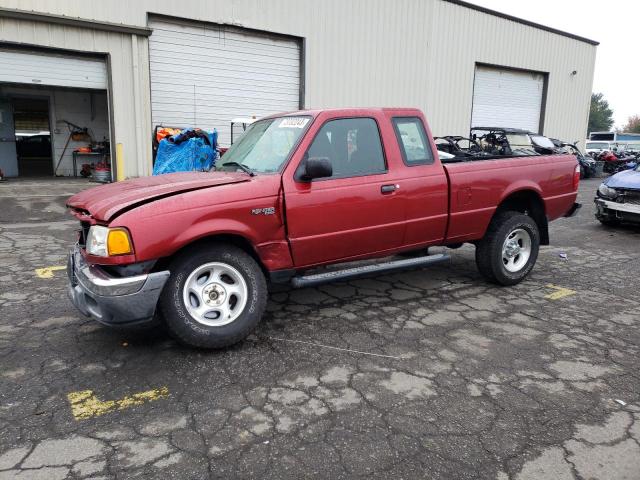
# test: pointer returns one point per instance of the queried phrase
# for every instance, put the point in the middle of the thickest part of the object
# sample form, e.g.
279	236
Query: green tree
600	115
633	124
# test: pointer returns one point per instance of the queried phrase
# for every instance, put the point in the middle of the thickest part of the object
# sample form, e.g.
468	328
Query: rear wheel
509	249
215	296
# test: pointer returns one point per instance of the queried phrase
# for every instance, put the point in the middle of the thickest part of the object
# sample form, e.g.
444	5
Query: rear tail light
576	177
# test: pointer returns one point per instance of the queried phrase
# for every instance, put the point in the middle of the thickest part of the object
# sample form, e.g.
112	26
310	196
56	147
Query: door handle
389	188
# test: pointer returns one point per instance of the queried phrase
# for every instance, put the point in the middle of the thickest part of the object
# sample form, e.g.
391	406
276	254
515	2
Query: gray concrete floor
422	374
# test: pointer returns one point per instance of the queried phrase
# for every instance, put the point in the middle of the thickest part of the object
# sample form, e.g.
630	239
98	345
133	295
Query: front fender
217	226
157	233
274	254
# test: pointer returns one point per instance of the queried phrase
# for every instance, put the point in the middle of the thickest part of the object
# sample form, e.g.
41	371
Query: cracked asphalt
429	373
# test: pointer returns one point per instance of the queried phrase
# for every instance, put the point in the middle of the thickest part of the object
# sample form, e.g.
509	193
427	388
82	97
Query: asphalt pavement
429	373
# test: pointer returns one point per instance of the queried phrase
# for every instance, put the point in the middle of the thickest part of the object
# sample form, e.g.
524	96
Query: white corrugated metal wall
357	53
206	75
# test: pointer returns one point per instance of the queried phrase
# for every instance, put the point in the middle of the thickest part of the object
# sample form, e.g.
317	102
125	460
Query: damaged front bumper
623	212
113	301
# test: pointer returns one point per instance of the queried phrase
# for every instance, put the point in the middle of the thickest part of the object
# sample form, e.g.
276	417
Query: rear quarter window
412	138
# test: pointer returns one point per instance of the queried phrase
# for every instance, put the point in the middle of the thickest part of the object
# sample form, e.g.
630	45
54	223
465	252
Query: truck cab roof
349	111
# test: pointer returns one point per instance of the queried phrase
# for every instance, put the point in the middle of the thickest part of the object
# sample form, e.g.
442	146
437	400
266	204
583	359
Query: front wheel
215	296
509	249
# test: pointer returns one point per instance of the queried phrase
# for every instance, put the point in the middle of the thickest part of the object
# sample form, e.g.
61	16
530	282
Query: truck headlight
607	192
107	242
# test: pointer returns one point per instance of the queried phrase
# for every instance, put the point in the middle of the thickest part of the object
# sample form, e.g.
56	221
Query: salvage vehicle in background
458	146
614	162
618	198
293	198
495	142
498	141
486	142
588	166
595	148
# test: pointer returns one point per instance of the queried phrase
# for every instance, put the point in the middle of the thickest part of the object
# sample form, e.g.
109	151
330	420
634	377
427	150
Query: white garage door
37	68
507	98
205	75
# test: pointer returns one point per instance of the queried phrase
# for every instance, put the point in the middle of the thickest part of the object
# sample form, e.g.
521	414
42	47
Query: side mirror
316	167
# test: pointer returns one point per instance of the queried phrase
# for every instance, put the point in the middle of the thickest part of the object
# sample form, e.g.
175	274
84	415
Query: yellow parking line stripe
47	272
85	404
560	292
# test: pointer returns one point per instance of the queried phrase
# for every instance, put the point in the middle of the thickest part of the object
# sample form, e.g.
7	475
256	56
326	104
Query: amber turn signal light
119	242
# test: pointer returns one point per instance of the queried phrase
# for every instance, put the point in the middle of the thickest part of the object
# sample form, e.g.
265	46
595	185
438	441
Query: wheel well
529	203
236	240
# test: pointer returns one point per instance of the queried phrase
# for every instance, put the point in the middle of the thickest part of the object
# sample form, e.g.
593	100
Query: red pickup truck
295	196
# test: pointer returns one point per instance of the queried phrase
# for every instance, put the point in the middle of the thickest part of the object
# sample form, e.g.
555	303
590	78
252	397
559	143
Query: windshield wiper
242	167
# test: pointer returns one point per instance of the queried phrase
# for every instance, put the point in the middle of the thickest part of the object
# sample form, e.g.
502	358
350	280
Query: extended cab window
413	141
352	145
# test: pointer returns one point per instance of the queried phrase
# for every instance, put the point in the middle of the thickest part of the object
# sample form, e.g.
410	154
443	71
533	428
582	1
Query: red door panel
427	205
423	180
342	218
358	211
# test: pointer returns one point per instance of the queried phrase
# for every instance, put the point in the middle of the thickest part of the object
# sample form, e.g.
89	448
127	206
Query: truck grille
83	233
631	197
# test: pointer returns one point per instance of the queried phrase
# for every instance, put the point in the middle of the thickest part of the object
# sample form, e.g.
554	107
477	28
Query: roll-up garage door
205	75
38	68
507	98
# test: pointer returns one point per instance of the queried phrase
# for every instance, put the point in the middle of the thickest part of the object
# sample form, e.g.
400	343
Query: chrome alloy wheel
516	250
215	294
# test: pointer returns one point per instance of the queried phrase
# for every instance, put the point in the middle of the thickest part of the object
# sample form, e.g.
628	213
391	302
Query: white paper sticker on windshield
293	122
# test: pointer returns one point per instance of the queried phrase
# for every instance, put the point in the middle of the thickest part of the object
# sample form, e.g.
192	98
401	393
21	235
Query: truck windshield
265	146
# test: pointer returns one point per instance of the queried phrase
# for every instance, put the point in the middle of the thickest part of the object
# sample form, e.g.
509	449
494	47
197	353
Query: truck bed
476	188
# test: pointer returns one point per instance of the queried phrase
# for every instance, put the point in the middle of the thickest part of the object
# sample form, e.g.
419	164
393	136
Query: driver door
355	212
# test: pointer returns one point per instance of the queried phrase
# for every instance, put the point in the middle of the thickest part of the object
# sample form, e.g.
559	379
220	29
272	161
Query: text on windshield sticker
293	122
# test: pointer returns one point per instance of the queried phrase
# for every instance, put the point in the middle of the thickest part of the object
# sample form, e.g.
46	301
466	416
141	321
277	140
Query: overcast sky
614	23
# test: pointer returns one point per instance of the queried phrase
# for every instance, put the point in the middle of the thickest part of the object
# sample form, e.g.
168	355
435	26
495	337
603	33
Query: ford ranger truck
296	196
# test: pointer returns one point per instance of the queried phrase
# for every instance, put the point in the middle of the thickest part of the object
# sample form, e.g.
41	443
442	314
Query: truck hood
624	179
107	201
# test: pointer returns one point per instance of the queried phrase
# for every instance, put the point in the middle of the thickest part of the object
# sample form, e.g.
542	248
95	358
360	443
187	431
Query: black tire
489	249
582	172
184	327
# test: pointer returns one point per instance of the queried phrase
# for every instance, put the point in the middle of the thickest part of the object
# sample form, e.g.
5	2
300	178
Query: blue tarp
183	154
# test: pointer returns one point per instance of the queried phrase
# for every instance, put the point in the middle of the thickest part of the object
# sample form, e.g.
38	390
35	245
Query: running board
354	272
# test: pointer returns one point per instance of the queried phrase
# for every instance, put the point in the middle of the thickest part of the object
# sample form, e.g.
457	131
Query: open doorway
54	132
33	136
